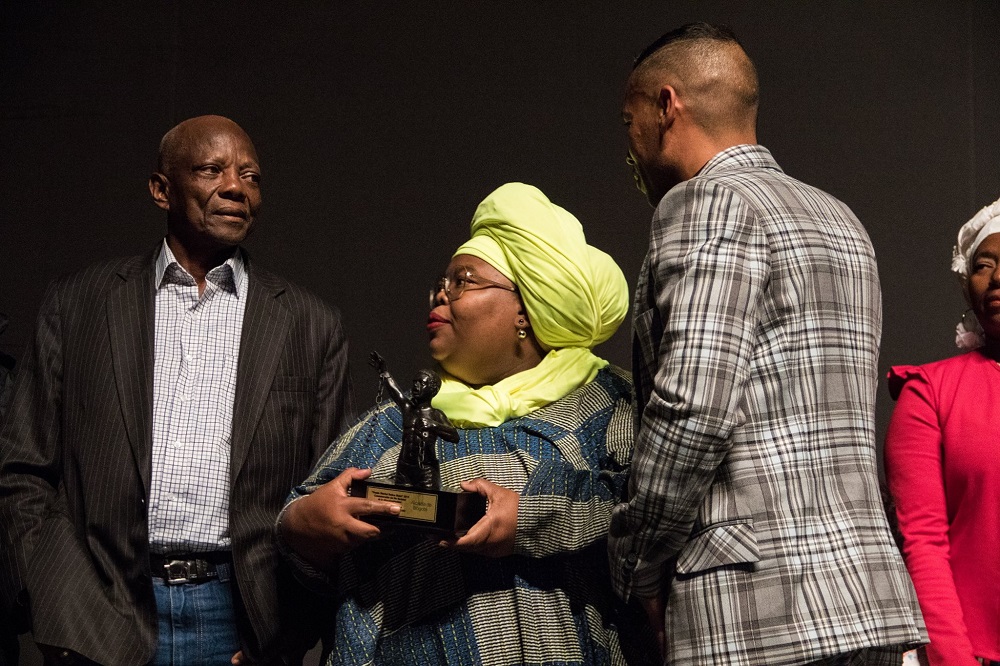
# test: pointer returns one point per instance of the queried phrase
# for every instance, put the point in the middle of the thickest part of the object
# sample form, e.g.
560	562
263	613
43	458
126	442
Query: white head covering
968	333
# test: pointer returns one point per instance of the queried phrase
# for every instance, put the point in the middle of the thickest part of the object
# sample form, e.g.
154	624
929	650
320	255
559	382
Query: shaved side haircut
706	64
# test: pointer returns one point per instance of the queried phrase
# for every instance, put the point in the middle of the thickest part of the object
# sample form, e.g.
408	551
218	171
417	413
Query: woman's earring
969	333
522	334
970	321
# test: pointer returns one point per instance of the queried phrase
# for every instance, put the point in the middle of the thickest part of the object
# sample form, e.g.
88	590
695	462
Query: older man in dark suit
167	404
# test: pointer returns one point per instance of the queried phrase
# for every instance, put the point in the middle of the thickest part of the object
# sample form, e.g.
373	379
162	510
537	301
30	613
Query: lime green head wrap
575	295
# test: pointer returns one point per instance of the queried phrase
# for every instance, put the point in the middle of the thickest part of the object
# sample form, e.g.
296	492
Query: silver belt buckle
178	572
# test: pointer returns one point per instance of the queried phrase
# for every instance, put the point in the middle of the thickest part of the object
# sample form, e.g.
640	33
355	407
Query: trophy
416	486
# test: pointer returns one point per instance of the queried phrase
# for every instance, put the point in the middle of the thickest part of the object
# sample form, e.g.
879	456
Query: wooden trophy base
443	512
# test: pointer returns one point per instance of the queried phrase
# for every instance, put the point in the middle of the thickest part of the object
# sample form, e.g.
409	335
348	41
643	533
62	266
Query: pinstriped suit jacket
75	459
753	496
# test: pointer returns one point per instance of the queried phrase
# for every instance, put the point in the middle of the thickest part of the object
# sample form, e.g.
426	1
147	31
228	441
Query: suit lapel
265	325
131	327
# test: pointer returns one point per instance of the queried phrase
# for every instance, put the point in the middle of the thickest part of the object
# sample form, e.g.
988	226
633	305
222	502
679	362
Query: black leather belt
176	569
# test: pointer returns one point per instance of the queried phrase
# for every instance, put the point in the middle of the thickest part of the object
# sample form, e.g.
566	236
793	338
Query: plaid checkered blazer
753	500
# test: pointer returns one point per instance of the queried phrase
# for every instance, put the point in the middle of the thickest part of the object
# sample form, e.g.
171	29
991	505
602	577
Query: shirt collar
743	155
229	276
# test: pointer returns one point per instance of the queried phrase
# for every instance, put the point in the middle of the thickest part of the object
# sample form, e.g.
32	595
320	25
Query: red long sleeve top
942	458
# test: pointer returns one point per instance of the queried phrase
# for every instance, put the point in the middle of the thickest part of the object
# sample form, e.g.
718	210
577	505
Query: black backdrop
381	125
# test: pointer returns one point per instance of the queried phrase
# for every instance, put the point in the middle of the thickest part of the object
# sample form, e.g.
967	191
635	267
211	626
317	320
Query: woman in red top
942	458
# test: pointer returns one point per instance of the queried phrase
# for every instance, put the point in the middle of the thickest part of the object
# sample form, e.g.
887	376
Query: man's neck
713	145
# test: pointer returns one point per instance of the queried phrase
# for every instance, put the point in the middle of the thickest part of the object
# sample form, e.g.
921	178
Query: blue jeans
196	623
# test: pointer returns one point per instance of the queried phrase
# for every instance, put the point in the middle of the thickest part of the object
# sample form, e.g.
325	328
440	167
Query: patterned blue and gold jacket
404	600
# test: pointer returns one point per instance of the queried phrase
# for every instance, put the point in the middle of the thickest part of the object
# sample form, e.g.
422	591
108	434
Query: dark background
381	125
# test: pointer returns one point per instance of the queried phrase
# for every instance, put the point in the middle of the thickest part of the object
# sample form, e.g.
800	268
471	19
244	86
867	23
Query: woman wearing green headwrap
545	433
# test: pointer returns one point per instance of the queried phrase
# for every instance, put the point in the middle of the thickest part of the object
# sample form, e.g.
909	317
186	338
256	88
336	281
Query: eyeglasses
636	176
461	280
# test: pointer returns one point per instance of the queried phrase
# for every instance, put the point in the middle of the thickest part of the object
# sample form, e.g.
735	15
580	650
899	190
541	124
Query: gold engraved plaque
412	504
448	512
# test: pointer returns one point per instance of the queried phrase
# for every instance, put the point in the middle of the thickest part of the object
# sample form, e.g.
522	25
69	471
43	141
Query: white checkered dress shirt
194	385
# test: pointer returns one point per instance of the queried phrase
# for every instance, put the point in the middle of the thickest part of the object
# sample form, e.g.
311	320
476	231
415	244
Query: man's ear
159	188
666	106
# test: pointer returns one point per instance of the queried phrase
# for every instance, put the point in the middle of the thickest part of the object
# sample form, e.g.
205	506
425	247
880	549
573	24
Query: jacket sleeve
334	400
913	465
566	506
30	455
709	263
